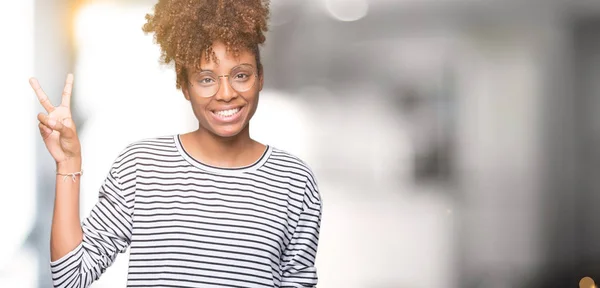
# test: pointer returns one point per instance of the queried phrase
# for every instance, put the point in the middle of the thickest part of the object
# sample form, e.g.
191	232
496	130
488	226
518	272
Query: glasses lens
242	78
207	84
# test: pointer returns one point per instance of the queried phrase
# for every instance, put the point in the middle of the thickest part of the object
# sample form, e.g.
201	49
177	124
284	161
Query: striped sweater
189	224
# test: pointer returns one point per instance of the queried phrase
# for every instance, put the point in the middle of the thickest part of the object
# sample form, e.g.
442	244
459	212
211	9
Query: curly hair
186	29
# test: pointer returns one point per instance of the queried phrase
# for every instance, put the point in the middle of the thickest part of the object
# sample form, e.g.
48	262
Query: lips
227	115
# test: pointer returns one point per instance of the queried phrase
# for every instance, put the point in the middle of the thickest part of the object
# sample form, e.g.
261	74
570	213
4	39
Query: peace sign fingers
41	95
66	96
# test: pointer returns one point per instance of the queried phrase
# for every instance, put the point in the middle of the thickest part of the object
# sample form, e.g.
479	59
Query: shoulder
148	147
294	164
290	162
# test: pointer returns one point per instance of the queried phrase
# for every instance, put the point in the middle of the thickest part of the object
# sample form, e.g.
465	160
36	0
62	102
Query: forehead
226	58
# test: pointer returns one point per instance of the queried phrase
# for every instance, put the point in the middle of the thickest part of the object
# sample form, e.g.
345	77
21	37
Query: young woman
210	208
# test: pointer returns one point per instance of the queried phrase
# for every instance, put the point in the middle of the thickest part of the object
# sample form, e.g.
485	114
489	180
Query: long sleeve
298	265
106	231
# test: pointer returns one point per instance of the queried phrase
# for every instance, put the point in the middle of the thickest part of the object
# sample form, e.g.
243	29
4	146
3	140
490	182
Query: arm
66	233
60	137
105	233
81	253
298	265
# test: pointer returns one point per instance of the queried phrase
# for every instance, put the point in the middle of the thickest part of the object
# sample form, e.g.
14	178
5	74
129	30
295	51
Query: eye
241	76
206	80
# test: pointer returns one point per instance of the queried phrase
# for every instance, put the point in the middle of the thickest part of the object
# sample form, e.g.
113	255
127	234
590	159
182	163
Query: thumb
66	127
68	124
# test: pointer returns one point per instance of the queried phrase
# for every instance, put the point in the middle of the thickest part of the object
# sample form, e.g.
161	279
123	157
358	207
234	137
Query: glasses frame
228	76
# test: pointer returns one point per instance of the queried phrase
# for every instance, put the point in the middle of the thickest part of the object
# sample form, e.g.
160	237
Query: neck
239	150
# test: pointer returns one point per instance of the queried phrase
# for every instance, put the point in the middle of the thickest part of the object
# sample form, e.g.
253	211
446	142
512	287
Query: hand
57	127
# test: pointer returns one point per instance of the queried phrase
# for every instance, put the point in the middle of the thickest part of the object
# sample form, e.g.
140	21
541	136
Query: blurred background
455	142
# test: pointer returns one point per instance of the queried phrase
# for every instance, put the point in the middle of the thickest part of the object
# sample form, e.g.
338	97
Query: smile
228	115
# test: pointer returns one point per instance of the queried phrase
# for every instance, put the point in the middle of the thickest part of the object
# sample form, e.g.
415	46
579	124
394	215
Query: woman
210	208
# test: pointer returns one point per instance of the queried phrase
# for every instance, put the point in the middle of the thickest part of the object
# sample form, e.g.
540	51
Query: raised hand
57	127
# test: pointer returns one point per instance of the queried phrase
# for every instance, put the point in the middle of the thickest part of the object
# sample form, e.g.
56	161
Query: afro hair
186	29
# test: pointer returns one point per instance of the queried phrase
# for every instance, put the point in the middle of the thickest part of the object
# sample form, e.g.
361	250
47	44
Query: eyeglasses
241	78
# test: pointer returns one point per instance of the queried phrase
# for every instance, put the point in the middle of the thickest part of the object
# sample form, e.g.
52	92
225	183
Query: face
228	111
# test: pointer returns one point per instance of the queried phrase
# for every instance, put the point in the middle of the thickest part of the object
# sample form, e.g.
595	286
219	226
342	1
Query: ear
186	91
261	81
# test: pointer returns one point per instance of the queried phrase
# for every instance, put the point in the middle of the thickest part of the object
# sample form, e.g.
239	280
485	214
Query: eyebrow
209	70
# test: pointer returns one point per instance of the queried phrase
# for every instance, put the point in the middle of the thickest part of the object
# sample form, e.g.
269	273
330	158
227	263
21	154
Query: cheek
252	104
199	108
253	107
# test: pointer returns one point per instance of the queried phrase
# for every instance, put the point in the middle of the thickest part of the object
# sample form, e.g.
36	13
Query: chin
227	132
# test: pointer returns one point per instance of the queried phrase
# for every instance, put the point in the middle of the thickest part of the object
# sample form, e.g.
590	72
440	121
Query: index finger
66	96
42	97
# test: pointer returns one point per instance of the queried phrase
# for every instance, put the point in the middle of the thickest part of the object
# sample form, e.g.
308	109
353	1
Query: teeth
227	113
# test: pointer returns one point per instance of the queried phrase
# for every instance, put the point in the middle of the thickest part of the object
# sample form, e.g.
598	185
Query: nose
226	92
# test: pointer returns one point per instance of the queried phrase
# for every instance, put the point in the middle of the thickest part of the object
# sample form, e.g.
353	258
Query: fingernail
67	123
51	122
